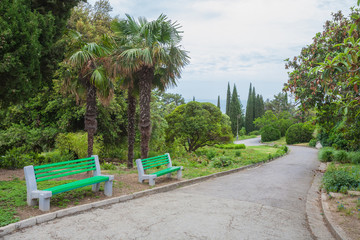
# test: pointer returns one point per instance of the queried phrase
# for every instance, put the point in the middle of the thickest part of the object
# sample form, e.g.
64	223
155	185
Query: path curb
78	209
335	229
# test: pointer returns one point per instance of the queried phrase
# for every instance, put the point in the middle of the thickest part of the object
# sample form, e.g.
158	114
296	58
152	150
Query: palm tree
88	78
149	52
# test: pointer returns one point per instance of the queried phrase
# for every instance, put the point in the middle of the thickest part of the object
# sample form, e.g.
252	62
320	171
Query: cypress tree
249	112
228	99
218	104
235	112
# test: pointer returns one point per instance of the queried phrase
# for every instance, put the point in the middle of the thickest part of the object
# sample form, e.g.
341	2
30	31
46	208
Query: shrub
237	153
222	162
354	157
77	143
17	158
335	180
326	154
230	146
312	143
57	156
269	133
256	132
299	133
341	156
107	166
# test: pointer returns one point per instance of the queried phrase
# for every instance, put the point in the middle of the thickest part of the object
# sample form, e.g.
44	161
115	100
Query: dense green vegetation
204	161
325	78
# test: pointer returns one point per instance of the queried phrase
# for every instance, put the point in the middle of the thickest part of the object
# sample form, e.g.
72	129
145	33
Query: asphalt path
266	202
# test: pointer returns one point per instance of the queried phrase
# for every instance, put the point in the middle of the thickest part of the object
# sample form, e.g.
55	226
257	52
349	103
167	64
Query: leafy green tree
218	103
249	115
236	113
332	87
196	125
30	28
89	80
228	100
151	52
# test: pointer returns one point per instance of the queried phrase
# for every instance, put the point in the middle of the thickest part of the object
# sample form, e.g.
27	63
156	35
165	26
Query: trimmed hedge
299	133
269	133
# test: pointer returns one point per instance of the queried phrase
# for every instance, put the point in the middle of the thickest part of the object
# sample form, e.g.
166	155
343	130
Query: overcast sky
237	41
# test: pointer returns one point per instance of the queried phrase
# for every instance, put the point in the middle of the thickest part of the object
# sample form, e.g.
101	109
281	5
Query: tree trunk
131	126
146	75
90	115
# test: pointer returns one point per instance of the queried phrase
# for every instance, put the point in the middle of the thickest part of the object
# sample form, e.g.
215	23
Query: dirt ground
124	184
345	212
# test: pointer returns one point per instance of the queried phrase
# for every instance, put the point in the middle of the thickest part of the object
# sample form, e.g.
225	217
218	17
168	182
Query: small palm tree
149	52
88	79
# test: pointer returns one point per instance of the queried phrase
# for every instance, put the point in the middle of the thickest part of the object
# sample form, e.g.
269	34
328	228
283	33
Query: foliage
230	146
341	156
108	166
326	154
196	125
77	143
235	112
299	133
336	178
354	157
312	143
29	28
325	76
280	104
269	133
228	100
221	162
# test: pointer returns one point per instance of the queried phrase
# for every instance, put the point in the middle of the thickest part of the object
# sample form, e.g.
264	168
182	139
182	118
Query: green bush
238	154
354	157
326	154
209	153
57	156
341	156
299	133
221	162
77	143
256	132
269	133
17	158
107	166
230	146
312	143
334	180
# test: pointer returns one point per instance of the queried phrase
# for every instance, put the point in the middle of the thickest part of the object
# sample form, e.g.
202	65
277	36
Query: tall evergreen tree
235	112
228	99
218	103
249	112
253	96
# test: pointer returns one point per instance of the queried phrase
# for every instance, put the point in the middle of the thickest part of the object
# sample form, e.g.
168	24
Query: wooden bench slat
65	174
54	173
77	184
154	160
63	163
165	171
154	157
63	167
162	162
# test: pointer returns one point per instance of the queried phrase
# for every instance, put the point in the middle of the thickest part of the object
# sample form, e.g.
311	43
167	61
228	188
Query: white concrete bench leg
151	181
179	174
44	201
96	187
108	188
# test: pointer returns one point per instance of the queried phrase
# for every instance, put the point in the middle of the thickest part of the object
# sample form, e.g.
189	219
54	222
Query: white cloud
239	41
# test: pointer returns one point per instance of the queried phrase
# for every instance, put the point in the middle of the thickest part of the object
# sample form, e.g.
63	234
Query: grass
13	193
281	141
244	137
13	196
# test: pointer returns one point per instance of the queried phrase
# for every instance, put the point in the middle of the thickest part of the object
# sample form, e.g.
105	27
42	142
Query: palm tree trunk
90	116
131	126
146	75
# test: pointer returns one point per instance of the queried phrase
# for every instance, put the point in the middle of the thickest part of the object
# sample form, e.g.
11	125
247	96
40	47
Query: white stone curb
69	211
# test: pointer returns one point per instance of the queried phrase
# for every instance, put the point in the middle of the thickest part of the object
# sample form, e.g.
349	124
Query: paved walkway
267	202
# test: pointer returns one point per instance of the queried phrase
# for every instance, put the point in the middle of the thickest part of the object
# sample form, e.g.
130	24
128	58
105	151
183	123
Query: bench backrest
152	162
62	169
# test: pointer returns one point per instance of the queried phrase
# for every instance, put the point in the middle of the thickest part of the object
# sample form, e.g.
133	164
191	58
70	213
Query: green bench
35	174
148	163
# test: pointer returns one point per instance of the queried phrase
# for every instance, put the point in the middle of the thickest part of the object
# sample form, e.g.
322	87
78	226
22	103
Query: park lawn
281	141
13	192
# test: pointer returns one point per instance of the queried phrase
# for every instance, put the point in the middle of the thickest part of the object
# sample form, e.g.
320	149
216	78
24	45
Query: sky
237	41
